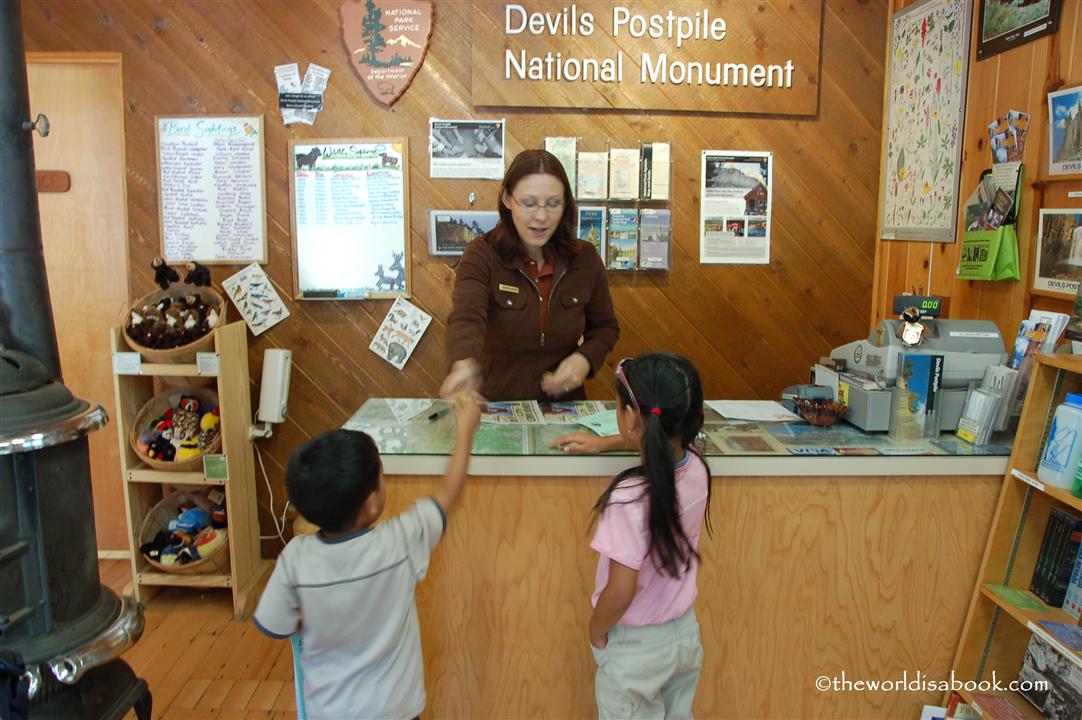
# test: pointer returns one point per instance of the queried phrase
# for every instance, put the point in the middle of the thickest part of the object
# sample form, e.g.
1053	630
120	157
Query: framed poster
211	192
349	210
928	53
1065	131
1058	267
450	231
734	214
1006	24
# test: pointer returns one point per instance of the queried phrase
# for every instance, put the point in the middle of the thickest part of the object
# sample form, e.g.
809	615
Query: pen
439	413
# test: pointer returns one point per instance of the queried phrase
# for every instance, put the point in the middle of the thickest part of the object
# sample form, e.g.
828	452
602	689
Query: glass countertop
401	426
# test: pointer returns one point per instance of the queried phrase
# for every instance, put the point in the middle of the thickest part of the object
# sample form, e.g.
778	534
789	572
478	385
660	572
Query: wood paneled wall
1018	79
751	330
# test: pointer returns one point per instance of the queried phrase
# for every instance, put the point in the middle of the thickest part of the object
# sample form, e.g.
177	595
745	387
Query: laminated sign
386	41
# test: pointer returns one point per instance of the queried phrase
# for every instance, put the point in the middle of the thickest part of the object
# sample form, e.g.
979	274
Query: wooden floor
199	662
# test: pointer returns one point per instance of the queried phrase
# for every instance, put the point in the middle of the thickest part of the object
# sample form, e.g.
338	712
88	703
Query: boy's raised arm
467	417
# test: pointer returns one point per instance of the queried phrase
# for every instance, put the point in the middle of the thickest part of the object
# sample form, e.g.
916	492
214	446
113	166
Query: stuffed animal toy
163	274
198	275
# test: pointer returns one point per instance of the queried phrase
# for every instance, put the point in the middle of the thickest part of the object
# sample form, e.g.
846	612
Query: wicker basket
158	519
157	405
184	353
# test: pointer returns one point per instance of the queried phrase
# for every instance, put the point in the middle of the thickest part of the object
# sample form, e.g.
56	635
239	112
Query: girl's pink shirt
623	535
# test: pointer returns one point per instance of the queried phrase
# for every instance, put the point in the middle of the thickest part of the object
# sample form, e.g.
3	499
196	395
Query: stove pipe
54	613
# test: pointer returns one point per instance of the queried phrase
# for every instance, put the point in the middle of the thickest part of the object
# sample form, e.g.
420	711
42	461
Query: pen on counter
439	413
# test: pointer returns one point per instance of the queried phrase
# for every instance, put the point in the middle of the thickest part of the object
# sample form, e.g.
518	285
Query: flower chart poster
925	115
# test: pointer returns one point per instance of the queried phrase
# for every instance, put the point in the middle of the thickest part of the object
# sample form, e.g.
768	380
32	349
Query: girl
643	629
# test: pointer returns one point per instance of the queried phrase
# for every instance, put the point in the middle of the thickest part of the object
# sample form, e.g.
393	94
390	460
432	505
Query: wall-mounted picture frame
450	231
921	161
1006	24
1058	266
1065	131
349	211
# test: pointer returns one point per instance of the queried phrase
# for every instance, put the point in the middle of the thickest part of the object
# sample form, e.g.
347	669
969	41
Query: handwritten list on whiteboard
211	197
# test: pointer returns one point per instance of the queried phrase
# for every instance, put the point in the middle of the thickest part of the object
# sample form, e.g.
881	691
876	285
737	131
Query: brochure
518	412
623	238
655	234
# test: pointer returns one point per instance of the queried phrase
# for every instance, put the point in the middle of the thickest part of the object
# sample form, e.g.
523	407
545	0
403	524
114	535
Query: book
1057	556
1072	603
564	150
592	228
624	173
1067	635
914	407
1051	681
593	175
655	234
995	706
623	238
1028	342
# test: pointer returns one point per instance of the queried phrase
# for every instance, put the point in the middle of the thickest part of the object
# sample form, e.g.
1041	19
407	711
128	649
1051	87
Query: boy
349	589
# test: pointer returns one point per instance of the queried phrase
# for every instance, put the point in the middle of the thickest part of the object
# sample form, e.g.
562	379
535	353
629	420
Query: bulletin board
922	148
211	190
349	210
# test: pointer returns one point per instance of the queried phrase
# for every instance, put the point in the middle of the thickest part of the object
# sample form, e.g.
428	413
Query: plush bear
198	275
163	274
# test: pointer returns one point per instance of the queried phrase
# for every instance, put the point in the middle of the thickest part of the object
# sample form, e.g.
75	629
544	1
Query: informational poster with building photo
734	215
466	149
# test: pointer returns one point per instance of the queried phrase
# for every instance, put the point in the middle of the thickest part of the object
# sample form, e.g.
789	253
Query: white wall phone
273	391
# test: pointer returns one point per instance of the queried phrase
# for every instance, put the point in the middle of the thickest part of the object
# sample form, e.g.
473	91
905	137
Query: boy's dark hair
330	476
670	383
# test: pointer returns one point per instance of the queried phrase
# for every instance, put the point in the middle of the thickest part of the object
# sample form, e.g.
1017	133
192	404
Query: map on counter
518	412
211	193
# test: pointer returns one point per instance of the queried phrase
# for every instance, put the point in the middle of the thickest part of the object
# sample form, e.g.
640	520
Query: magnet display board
211	190
349	209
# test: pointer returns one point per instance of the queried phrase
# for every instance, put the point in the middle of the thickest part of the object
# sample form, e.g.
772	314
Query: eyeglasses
532	205
622	377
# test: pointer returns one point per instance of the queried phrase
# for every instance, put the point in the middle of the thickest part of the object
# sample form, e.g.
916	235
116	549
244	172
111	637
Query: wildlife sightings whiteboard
350	204
211	190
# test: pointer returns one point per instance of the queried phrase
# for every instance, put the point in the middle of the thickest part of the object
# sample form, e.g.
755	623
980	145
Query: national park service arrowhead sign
386	41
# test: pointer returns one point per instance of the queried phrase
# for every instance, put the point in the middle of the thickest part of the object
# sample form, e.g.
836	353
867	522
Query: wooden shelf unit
996	633
144	487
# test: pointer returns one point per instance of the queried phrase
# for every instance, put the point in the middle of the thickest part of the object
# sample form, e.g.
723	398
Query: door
84	233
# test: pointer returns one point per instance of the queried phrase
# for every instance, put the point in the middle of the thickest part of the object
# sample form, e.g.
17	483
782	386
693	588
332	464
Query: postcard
400	332
450	231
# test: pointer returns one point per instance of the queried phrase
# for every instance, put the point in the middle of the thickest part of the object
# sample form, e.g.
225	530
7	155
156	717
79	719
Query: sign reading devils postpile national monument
748	57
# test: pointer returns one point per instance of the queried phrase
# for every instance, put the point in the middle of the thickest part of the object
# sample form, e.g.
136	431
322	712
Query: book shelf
144	487
997	631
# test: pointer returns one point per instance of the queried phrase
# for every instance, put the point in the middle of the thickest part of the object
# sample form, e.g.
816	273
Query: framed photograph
1058	267
929	51
1006	24
1065	131
450	231
350	218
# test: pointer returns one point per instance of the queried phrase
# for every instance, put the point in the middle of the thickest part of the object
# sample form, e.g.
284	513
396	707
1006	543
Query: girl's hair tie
655	411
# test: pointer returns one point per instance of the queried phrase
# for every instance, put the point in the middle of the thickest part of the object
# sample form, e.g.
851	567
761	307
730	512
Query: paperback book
623	239
914	411
655	234
592	228
1052	682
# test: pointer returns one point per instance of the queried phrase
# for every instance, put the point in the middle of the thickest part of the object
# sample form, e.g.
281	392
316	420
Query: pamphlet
623	173
564	150
518	412
569	413
654	238
623	238
593	175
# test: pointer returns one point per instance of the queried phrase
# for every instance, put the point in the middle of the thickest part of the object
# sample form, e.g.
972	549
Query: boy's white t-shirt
353	601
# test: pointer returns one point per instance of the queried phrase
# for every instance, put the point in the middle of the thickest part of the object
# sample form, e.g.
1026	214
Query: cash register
866	370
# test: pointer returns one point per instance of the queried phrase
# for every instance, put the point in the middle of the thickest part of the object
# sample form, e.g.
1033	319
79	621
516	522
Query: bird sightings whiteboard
350	201
211	191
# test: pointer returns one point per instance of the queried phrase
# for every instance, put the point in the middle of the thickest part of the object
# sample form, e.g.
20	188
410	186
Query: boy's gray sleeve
420	528
279	613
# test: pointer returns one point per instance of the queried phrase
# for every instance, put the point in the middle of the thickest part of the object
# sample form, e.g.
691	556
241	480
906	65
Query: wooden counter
816	569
